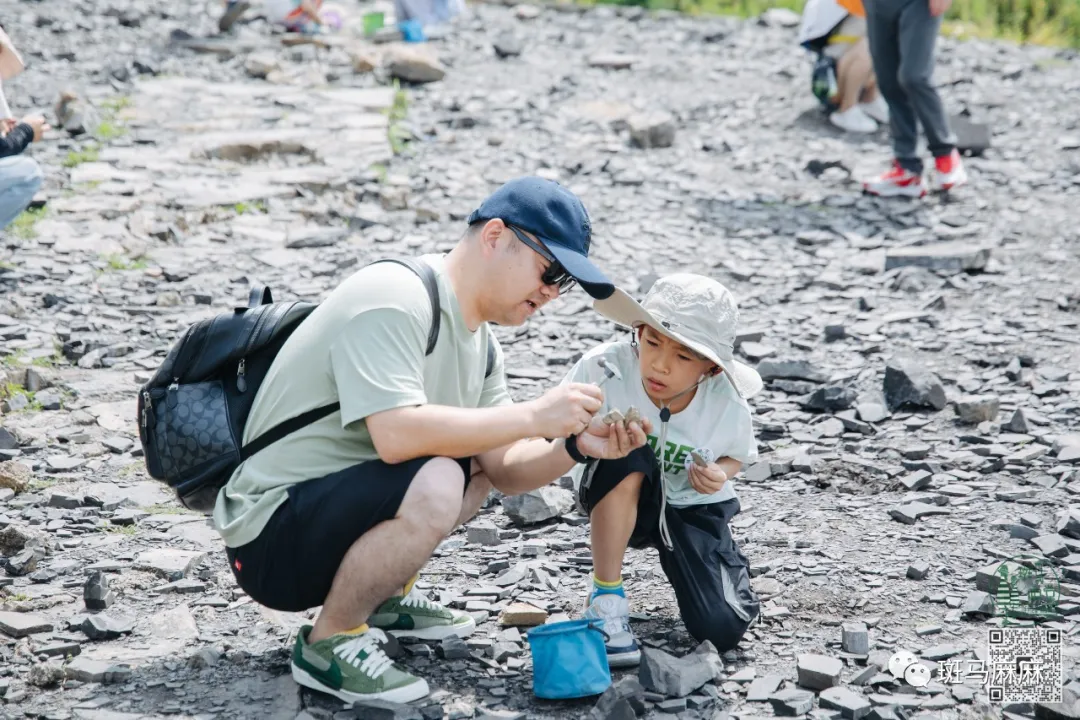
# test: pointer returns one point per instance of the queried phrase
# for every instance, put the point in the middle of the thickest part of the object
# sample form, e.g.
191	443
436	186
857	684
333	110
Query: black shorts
708	572
609	473
291	565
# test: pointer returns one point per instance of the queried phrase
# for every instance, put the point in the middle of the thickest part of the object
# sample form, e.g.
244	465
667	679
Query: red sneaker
896	181
949	171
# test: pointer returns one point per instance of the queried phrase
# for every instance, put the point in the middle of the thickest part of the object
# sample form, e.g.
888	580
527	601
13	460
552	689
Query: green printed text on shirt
674	455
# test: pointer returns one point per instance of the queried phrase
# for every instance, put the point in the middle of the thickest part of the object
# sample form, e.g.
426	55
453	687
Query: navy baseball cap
557	218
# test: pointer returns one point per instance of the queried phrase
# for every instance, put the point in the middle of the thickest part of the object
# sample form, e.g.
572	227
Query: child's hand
608	442
709	479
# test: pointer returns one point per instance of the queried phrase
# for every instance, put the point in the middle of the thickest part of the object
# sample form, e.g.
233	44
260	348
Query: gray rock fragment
678	677
910	384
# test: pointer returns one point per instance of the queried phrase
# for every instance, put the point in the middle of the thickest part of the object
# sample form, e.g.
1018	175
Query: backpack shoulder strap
286	427
427	274
490	355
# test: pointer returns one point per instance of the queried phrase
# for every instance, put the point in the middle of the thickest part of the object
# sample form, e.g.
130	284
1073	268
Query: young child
902	36
678	371
308	17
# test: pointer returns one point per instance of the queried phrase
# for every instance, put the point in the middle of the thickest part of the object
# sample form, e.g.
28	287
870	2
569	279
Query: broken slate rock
19	625
623	700
538	505
975	409
951	257
413	65
385	710
818	672
792	701
1069	524
979	604
908	383
96	592
855	638
652	130
106	627
791	370
831	397
850	704
670	676
169	563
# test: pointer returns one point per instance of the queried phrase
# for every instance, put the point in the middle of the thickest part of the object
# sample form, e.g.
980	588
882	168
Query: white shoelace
614	620
415	599
376	661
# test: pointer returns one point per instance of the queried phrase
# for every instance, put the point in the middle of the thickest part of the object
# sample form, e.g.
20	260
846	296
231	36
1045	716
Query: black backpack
192	412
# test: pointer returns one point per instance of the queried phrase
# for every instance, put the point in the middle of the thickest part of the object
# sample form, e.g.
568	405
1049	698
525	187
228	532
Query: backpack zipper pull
241	383
146	407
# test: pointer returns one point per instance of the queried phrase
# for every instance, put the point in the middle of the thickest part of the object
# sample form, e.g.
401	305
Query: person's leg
437	621
346	542
623	507
853	70
917	36
20	179
389	556
710	576
475	494
882	27
611	523
918	33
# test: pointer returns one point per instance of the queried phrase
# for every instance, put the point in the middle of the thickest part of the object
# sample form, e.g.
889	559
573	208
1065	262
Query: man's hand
565	410
707	480
37	122
607	442
7	125
939	7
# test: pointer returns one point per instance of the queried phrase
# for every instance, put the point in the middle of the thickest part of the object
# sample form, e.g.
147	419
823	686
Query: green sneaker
413	615
353	667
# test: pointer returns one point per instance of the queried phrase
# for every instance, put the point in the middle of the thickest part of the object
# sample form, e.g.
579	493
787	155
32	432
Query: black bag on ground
192	412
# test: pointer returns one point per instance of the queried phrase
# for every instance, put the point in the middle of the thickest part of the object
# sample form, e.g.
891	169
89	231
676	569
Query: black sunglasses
555	273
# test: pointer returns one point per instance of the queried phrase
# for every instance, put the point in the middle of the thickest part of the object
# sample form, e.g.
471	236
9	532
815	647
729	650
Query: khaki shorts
852	26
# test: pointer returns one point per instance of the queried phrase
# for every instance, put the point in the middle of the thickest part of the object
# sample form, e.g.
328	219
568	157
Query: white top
818	18
717	419
277	10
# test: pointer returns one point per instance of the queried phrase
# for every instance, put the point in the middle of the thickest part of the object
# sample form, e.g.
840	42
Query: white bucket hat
11	63
694	310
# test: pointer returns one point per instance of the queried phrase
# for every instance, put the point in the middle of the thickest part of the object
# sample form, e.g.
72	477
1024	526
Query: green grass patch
78	157
122	262
108	130
116	104
242	208
23	226
10	390
395	132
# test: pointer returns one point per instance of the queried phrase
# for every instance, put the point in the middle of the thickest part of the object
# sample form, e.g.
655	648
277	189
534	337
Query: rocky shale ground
918	428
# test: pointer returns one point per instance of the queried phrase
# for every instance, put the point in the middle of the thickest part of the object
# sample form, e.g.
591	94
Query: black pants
291	565
706	569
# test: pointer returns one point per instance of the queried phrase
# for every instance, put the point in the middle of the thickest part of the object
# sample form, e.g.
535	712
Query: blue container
412	30
569	660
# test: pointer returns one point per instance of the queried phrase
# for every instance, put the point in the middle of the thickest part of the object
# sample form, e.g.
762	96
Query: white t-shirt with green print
717	419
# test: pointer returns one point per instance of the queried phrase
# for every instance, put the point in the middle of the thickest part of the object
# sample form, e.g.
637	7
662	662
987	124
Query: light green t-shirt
363	346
